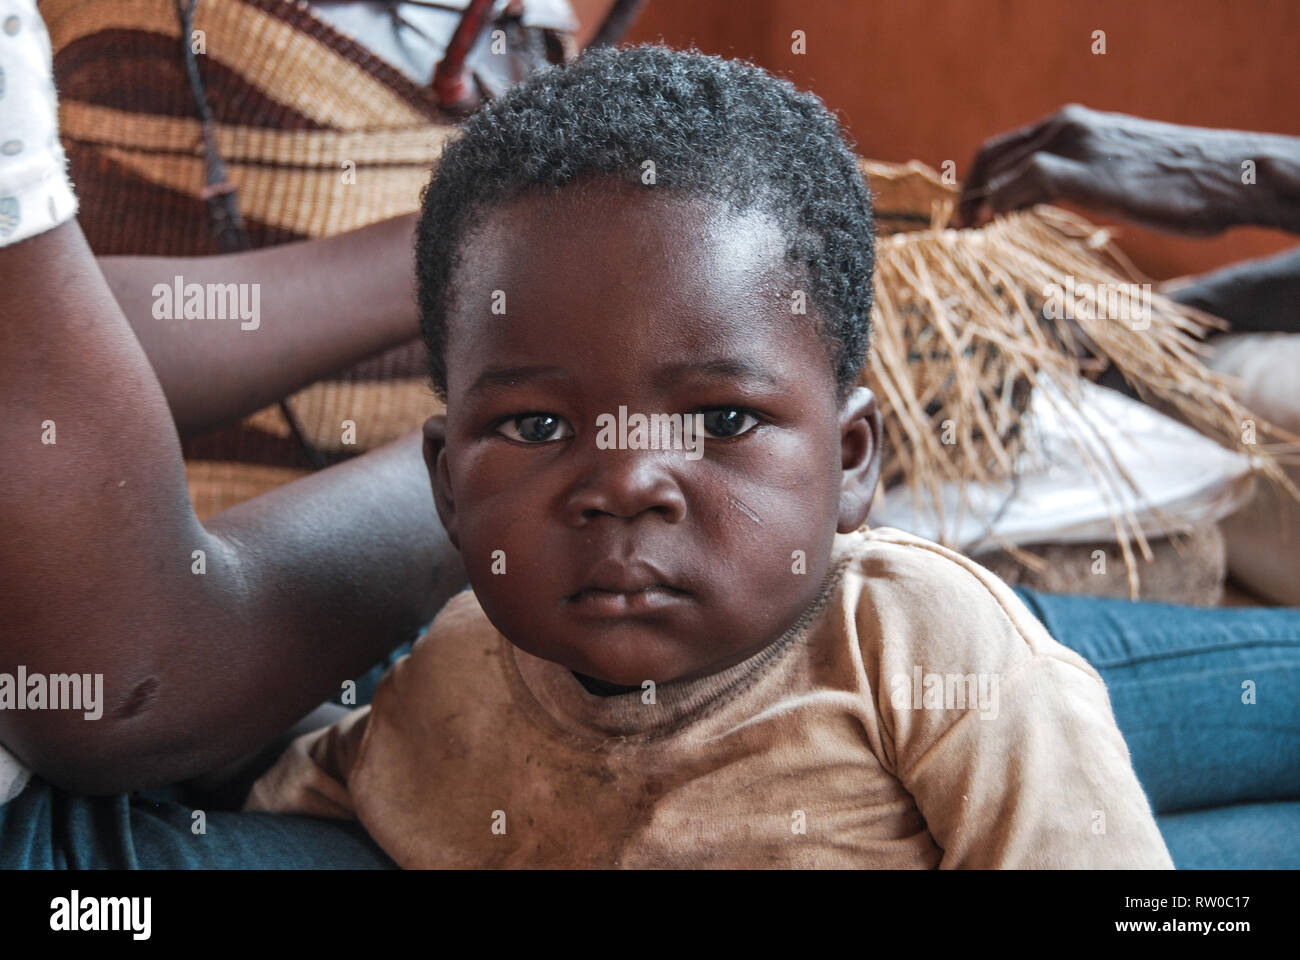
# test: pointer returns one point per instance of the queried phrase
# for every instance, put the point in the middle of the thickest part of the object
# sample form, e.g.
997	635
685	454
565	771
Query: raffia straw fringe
959	340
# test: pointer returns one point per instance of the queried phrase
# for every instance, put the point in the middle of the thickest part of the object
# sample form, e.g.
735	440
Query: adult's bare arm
303	587
1254	296
1159	175
322	304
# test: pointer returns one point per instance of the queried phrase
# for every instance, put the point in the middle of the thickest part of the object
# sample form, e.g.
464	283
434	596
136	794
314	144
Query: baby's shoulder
461	636
894	559
908	596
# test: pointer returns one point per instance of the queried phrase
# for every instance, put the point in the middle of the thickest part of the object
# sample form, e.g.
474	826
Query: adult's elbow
78	755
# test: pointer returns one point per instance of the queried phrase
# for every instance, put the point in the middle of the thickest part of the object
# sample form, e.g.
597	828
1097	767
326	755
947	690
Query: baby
645	282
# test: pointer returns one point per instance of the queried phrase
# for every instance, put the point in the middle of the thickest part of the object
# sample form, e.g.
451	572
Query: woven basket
292	99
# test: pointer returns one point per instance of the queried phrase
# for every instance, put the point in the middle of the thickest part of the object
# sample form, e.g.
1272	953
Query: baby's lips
624	577
606	604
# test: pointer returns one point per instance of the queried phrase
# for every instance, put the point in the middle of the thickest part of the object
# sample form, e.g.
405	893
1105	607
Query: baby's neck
602	688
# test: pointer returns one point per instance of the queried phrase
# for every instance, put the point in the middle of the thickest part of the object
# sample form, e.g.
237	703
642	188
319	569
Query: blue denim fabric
44	828
1247	836
1175	676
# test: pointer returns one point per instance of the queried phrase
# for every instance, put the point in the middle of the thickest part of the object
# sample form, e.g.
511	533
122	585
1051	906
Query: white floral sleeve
13	776
35	194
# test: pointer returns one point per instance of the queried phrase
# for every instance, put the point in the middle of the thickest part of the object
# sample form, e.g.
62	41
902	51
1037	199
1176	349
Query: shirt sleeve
13	776
35	194
311	777
1004	737
1046	783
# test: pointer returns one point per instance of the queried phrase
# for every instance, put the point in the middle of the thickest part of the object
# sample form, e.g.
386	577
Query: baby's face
584	547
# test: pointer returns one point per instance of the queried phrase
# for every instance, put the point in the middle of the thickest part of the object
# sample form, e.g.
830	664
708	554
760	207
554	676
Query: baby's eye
724	422
535	428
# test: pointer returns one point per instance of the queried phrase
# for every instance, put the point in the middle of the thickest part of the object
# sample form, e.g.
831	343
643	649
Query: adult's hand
1160	175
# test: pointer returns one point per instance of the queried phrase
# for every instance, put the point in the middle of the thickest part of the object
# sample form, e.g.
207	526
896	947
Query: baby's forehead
613	275
624	247
611	214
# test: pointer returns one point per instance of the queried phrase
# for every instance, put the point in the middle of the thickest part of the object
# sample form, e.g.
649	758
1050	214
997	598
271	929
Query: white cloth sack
1179	475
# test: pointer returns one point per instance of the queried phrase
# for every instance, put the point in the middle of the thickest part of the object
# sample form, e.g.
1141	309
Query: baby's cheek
498	548
778	511
772	552
799	542
792	564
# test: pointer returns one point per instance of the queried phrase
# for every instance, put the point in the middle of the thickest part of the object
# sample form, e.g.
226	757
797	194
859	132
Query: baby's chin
628	656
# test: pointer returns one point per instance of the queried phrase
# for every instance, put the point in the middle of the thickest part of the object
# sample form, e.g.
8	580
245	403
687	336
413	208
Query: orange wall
931	79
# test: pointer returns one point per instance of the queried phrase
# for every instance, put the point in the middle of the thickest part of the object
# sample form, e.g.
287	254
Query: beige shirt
917	716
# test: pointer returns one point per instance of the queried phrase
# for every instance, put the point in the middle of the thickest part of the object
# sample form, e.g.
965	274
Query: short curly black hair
723	129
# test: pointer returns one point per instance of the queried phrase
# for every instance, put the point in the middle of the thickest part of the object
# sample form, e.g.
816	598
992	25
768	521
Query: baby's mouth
600	602
614	588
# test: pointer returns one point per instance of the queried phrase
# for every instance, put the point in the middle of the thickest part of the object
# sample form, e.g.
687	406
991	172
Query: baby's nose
626	484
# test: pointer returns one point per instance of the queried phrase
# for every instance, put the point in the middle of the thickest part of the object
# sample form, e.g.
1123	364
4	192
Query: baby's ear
435	459
861	436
